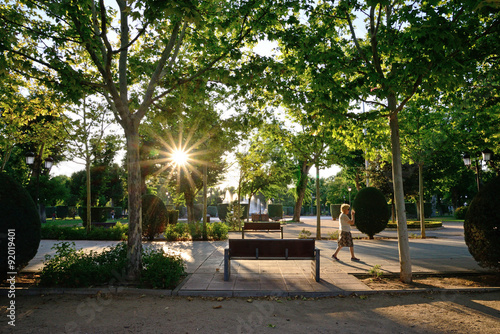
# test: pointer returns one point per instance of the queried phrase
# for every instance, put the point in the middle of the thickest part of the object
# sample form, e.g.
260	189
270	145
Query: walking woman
345	237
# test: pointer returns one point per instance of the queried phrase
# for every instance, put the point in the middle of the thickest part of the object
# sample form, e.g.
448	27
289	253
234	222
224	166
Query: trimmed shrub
427	210
371	215
222	209
288	210
49	211
335	210
117	232
198	212
275	211
461	212
62	211
118	211
212	211
154	216
172	217
98	214
411	210
19	226
482	225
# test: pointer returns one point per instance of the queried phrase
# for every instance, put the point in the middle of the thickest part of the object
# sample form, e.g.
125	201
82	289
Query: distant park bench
261	227
272	249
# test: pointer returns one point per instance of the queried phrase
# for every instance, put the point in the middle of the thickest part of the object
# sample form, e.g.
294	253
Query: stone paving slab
443	252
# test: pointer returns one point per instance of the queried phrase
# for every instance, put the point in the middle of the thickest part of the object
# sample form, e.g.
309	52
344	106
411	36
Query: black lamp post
30	161
486	155
349	189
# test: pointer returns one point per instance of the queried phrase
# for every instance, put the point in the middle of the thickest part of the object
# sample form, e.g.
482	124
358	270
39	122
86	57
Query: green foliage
371	215
75	268
117	232
335	210
154	216
175	232
212	211
413	224
333	235
49	211
482	225
233	217
275	211
411	209
195	230
222	210
62	211
98	214
218	231
160	270
304	234
19	226
173	216
375	271
461	212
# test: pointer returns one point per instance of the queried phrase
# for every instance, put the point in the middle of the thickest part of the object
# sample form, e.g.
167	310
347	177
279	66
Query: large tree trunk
399	198
134	246
301	190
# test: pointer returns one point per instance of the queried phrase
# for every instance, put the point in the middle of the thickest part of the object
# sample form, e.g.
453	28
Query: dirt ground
423	312
380	313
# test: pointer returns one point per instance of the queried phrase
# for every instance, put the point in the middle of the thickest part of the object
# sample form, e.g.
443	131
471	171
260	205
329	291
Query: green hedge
414	224
212	211
275	211
54	232
62	211
173	216
335	210
99	214
222	210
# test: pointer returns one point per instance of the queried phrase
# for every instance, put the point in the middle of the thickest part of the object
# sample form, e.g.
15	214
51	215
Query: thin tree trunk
421	199
403	243
318	205
204	233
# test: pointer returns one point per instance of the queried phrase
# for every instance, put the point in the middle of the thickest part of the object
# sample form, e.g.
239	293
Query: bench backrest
261	226
272	248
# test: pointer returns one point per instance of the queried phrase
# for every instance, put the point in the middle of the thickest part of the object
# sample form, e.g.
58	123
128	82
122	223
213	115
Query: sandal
335	258
354	259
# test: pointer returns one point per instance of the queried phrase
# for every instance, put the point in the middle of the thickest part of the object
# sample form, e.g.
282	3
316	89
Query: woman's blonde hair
344	206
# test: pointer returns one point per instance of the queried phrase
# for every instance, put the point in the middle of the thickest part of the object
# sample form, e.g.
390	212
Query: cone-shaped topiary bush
19	226
154	216
371	213
482	225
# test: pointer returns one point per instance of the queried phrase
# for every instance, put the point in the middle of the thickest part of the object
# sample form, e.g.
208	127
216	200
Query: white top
343	223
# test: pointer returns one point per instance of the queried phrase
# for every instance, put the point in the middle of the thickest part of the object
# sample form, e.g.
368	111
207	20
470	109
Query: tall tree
141	51
401	49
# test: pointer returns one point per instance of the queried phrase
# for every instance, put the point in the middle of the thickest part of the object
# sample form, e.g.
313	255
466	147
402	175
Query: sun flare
179	157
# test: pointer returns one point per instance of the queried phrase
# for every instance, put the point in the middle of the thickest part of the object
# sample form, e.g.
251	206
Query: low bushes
75	268
117	232
183	231
416	224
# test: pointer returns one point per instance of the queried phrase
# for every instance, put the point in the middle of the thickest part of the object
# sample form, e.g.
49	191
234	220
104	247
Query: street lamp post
36	168
486	156
349	189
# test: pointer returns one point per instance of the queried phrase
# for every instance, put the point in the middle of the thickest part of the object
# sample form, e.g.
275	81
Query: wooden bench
272	249
261	227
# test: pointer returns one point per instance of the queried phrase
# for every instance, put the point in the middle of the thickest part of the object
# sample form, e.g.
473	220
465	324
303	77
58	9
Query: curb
224	293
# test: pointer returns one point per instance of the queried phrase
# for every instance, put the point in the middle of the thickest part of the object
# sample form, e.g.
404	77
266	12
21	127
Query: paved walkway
444	251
